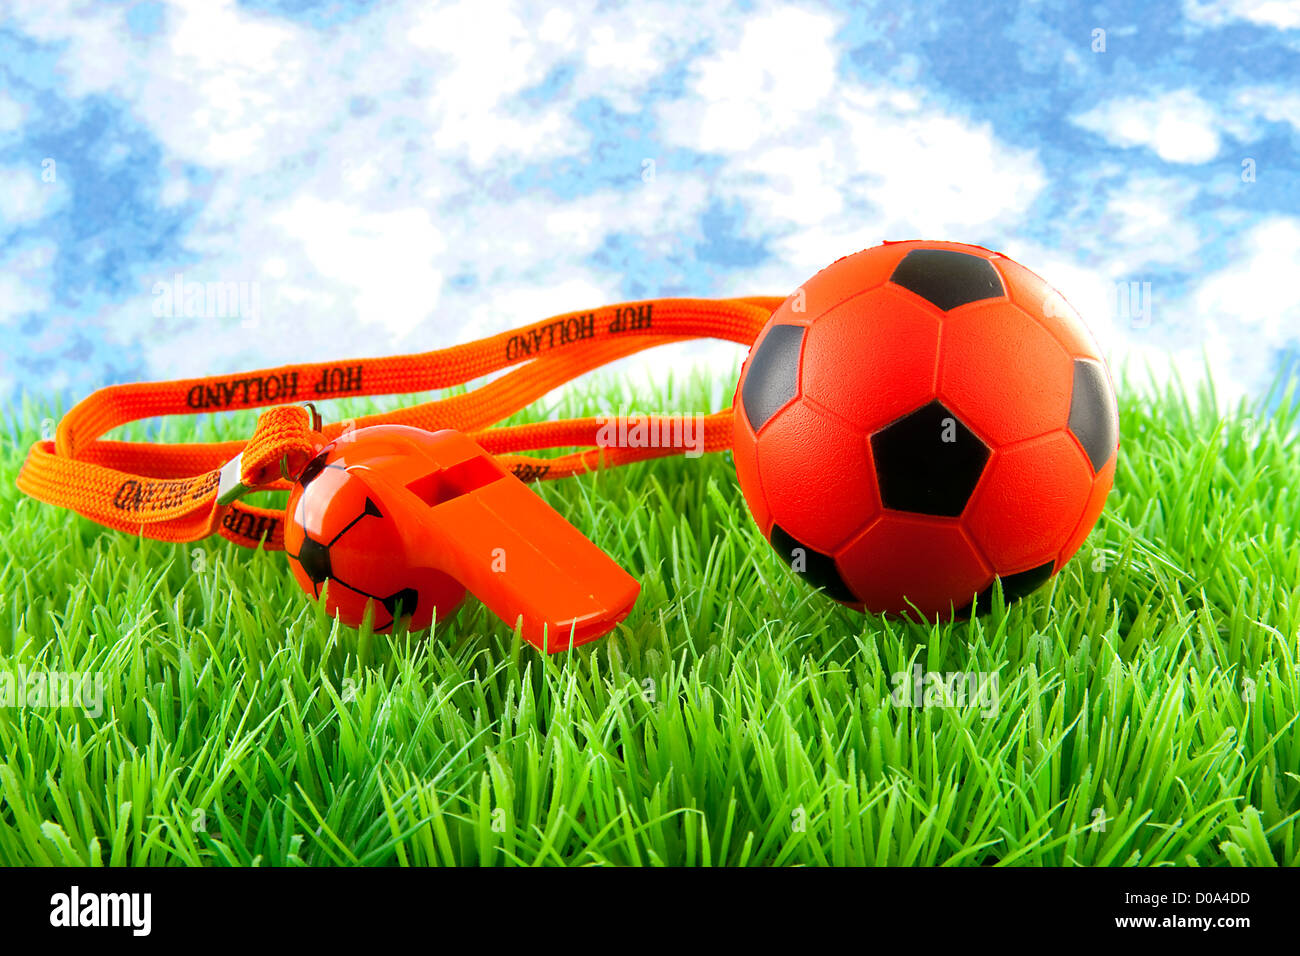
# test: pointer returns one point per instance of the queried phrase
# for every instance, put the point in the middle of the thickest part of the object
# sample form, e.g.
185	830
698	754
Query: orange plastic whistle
405	520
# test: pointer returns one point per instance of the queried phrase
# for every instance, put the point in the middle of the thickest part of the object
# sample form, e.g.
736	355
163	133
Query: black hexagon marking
818	569
315	560
948	278
401	603
1014	587
773	375
1094	413
928	462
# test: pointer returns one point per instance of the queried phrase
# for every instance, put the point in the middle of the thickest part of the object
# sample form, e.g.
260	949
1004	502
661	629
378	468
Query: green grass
1148	708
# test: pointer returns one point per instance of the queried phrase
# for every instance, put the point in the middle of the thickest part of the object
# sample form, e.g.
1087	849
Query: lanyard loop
187	491
287	436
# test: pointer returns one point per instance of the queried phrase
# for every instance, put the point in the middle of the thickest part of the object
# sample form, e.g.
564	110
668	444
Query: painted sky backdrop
381	178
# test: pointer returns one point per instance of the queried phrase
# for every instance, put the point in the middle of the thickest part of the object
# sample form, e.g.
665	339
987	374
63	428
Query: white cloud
1177	126
1258	293
776	74
353	172
386	260
1273	103
1147	222
25	280
1282	14
829	167
12	113
479	72
24	197
935	173
94	60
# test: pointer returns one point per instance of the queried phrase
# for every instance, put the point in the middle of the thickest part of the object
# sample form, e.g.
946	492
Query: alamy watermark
75	908
43	689
952	689
208	300
652	431
1133	303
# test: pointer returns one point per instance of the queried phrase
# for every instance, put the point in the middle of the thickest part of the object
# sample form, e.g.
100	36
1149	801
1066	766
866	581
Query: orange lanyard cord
736	320
169	492
466	412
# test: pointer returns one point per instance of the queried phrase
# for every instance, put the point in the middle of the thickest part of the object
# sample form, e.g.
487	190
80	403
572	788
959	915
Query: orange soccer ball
921	419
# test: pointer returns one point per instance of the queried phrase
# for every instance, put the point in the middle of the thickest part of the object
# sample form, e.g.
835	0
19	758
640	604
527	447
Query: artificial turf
1147	709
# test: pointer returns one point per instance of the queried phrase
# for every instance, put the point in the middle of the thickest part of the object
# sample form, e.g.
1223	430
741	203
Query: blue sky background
396	177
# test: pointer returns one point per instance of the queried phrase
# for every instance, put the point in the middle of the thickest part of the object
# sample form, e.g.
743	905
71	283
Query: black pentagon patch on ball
773	375
948	278
401	603
1014	587
928	462
1094	415
315	560
818	569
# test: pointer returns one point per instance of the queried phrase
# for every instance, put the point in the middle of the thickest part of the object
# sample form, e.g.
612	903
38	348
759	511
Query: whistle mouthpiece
464	522
514	552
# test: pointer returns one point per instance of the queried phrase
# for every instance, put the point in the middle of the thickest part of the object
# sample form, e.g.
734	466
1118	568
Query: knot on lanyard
285	439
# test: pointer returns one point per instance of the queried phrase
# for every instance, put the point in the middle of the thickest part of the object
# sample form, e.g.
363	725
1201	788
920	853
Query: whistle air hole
467	476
